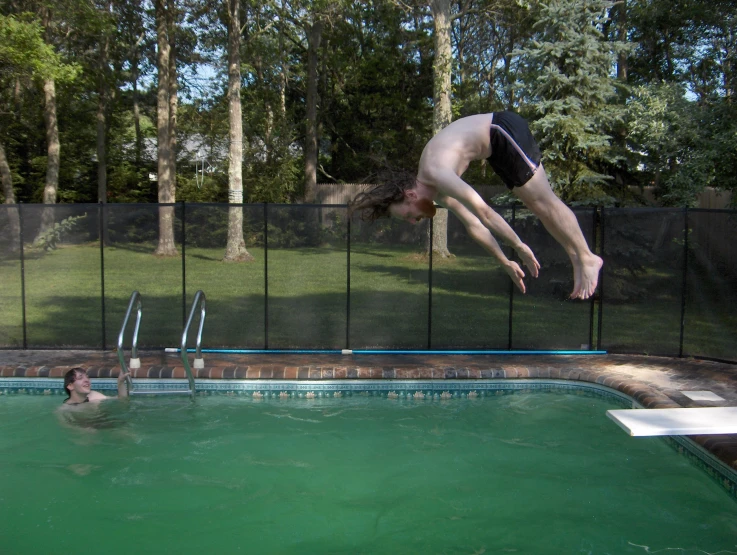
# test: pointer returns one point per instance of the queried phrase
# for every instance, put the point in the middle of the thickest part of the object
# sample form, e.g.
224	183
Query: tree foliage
23	52
570	90
668	120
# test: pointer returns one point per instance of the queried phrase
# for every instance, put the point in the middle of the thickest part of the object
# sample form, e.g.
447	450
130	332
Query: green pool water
526	473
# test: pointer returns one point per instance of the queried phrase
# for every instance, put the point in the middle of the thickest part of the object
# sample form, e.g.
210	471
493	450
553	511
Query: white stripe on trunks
514	143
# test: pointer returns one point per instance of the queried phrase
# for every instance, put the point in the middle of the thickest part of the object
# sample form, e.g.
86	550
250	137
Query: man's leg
562	224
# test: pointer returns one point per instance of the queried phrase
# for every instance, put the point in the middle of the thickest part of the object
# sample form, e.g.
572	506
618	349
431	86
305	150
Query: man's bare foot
577	271
586	277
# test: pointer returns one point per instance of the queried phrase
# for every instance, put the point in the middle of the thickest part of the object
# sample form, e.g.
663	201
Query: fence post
429	290
602	224
595	220
101	223
683	280
22	278
511	293
266	277
348	286
184	264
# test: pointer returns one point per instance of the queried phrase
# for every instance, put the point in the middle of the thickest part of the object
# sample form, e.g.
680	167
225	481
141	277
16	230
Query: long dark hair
374	204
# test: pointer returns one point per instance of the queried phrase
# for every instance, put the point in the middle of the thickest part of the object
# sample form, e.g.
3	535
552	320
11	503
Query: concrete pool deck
654	382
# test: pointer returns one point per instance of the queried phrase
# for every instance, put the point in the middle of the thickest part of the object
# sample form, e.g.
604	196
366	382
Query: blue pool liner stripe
386	352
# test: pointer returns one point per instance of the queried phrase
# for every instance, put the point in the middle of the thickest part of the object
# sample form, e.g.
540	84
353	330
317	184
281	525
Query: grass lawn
307	304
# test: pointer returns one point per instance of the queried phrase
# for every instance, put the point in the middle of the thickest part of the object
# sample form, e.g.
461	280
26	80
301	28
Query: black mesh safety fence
642	280
62	275
11	280
225	258
389	285
307	277
710	317
143	252
304	277
545	318
470	291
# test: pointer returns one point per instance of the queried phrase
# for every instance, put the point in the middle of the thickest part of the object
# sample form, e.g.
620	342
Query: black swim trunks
515	155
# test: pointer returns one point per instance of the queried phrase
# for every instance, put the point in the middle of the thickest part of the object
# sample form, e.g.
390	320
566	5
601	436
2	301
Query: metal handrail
135	300
199	300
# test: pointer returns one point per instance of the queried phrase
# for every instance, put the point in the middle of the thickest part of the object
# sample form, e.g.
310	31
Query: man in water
82	409
78	388
504	139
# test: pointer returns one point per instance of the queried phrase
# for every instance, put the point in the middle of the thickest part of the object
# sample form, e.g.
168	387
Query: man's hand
516	273
528	259
123	377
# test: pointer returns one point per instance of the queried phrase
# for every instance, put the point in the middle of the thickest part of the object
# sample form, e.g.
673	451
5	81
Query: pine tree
571	88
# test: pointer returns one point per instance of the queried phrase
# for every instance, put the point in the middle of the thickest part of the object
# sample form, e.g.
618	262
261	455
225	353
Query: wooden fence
709	198
342	193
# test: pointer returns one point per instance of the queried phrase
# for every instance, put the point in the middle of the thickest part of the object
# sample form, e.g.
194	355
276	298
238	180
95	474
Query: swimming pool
384	468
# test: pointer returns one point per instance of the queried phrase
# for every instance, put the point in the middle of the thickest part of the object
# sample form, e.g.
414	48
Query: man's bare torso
455	147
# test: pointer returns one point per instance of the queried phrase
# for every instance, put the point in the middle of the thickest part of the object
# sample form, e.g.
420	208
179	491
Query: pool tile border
642	392
302	388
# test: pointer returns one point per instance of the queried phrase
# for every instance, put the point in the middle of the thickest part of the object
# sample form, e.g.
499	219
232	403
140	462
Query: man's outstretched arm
452	188
483	237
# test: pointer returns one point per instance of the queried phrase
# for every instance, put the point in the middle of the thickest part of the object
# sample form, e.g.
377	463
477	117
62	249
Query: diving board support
676	422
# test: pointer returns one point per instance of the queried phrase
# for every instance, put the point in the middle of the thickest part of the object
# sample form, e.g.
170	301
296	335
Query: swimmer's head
76	378
412	208
396	197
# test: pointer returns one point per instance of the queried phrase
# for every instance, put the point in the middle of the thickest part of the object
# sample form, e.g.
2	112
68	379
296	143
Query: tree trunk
166	245
102	96
314	36
621	23
235	250
442	65
730	77
620	133
442	115
136	111
13	219
17	96
173	92
101	156
283	80
53	149
6	177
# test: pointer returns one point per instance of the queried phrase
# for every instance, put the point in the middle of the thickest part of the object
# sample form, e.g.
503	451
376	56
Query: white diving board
676	422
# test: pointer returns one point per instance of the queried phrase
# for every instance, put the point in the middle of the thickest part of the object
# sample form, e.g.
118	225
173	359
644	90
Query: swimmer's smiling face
81	384
412	208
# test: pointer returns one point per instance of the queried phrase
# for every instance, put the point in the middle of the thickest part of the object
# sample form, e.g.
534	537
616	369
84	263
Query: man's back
455	146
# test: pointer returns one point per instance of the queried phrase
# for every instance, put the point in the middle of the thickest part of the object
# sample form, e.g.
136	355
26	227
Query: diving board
676	422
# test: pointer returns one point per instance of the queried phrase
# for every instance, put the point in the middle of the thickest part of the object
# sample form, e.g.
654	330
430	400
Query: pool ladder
135	362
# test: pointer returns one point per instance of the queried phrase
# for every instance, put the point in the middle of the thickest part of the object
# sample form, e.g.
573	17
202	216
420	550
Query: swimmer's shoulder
96	396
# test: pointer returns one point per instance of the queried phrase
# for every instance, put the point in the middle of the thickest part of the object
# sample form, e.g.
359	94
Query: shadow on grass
309	321
308	307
